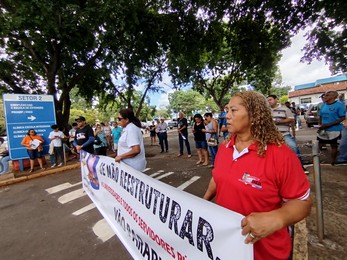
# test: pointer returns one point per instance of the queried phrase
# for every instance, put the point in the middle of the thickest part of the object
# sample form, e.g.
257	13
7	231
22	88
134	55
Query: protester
152	133
33	143
116	132
72	133
56	138
108	134
161	129
182	129
282	117
331	114
259	177
221	119
293	124
224	129
200	139
100	142
131	149
211	131
342	157
4	157
84	138
296	112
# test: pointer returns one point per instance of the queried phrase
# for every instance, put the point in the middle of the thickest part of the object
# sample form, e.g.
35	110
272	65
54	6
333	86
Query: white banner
156	221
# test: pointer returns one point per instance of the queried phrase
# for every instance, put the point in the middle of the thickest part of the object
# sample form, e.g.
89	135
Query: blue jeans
290	141
213	151
180	139
343	147
4	164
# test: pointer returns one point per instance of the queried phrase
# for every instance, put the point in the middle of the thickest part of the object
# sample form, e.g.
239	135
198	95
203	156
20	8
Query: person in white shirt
131	149
162	134
56	138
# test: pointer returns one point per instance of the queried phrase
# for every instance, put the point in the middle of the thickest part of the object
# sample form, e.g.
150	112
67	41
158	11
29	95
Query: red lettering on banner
149	232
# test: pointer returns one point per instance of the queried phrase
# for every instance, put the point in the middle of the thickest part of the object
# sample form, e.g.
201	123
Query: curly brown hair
263	129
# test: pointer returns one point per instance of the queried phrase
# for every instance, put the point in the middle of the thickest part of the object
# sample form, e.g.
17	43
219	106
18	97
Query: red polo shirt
260	184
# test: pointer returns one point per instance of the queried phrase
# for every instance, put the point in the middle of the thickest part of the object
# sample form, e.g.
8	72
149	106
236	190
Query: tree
181	101
247	37
327	34
51	47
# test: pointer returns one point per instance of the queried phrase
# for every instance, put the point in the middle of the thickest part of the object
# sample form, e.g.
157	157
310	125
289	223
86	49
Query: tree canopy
107	49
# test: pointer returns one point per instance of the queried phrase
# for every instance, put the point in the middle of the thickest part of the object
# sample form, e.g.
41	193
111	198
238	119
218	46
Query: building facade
309	93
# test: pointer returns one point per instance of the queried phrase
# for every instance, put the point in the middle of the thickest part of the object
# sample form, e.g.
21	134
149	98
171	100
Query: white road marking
187	183
71	196
61	187
156	173
147	169
84	209
103	230
164	175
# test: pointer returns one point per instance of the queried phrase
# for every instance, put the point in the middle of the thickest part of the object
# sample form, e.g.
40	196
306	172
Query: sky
293	71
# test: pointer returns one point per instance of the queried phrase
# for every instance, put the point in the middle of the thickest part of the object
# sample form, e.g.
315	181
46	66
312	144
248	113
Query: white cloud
295	72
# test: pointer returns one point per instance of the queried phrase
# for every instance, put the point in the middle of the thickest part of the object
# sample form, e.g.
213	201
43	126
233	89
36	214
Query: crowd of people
257	166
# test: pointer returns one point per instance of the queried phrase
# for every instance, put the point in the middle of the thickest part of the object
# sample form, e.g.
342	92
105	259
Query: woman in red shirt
257	175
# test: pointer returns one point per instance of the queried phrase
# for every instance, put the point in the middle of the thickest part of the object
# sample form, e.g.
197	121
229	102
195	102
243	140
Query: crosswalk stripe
71	196
147	169
187	183
84	209
103	230
156	173
164	175
61	187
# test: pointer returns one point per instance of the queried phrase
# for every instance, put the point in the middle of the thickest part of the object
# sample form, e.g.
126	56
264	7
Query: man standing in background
331	114
182	130
283	118
116	132
84	138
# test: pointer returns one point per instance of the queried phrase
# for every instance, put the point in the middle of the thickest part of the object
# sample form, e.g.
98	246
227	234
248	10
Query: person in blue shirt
331	114
221	120
116	132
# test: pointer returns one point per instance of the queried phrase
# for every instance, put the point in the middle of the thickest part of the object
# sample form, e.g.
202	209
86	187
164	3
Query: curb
39	174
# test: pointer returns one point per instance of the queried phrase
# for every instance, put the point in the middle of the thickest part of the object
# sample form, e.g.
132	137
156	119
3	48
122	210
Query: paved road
52	218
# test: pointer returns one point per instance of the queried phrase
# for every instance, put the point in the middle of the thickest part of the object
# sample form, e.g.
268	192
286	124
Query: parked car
311	115
173	123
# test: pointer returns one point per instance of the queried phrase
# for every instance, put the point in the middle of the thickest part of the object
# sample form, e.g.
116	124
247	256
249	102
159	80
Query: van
311	116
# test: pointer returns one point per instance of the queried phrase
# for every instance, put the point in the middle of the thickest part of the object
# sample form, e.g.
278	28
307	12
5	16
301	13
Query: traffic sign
24	112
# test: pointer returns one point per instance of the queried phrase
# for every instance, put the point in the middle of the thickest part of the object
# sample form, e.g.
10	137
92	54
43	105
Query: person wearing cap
331	114
84	136
56	138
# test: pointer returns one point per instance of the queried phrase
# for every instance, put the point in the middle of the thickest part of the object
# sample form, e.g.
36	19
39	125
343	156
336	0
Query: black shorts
331	141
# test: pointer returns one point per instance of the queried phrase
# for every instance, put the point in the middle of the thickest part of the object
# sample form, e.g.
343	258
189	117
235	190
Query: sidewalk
16	177
334	195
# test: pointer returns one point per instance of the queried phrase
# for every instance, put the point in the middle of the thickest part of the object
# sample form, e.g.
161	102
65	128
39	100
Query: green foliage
2	117
189	101
327	35
107	49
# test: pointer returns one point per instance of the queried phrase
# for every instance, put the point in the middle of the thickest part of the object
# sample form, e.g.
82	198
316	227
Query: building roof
338	78
320	86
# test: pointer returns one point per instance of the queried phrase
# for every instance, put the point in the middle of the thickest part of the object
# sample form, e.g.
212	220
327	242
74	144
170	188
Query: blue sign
24	112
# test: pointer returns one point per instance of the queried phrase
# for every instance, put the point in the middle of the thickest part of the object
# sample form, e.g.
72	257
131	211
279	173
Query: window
305	100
